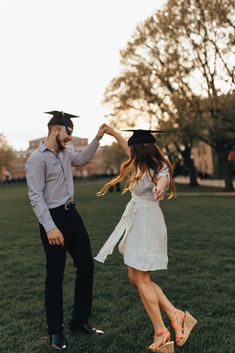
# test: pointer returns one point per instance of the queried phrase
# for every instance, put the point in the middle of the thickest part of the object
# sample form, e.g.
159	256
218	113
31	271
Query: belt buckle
66	206
69	206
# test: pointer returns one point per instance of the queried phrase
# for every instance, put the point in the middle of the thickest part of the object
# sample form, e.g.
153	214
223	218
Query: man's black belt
69	205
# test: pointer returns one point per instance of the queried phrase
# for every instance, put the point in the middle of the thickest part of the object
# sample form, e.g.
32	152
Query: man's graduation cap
141	136
61	118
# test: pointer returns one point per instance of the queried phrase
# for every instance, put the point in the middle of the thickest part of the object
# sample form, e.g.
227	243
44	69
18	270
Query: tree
220	133
178	142
6	153
178	59
205	35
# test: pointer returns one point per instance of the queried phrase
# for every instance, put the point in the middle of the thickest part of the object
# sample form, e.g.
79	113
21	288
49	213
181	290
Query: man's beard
58	141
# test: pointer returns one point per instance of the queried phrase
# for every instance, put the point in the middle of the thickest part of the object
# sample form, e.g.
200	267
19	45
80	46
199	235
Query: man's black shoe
85	327
57	341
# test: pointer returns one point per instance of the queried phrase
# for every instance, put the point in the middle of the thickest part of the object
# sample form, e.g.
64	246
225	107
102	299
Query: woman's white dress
142	229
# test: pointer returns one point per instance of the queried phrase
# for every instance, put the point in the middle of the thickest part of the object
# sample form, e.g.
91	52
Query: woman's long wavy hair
143	157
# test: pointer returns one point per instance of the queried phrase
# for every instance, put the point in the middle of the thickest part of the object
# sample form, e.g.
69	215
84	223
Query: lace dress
142	229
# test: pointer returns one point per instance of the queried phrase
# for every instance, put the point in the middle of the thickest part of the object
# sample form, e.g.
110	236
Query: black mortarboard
141	136
61	118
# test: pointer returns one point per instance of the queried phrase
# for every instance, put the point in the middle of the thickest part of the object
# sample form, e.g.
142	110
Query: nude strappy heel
188	324
166	346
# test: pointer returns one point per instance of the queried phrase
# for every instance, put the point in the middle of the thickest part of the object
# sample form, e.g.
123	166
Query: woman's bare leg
161	300
168	307
164	302
148	296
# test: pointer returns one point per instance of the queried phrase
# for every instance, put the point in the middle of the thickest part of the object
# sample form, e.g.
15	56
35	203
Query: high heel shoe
166	346
188	323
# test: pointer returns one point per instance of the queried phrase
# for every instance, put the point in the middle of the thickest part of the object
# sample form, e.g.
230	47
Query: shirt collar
42	147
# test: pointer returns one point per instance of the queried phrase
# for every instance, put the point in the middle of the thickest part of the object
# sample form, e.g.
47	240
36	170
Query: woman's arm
161	186
161	180
120	140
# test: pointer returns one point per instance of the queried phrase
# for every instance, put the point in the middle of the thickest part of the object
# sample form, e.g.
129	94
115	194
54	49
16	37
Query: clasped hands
104	129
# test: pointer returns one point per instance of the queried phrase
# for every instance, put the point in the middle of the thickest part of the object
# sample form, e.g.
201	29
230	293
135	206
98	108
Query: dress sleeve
164	172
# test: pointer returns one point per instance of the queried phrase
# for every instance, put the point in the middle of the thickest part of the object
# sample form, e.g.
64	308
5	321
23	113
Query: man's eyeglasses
69	132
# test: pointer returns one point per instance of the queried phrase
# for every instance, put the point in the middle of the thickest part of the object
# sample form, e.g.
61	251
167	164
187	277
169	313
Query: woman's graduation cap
140	136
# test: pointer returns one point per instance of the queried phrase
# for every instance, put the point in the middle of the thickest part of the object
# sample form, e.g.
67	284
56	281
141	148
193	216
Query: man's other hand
55	237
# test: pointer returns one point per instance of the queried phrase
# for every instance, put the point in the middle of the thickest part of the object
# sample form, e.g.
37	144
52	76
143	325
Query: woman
144	242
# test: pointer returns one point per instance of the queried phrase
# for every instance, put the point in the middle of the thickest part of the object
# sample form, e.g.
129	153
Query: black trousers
77	244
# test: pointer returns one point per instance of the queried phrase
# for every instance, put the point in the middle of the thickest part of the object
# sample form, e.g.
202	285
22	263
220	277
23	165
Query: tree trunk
227	168
186	154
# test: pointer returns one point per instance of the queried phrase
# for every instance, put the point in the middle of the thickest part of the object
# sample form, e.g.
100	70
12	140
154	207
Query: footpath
215	183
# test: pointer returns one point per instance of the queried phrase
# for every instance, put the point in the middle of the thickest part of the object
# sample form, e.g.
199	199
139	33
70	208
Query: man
51	191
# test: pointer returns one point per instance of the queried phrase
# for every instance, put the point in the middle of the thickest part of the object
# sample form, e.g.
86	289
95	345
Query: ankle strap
178	313
160	332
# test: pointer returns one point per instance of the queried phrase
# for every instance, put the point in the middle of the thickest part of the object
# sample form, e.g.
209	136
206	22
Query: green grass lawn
200	275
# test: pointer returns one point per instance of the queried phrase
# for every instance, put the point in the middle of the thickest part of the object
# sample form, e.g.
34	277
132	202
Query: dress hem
158	268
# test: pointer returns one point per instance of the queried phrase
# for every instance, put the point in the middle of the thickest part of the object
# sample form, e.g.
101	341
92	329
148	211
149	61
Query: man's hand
55	237
102	129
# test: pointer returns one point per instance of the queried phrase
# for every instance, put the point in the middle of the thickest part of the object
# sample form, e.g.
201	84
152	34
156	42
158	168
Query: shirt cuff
97	139
49	226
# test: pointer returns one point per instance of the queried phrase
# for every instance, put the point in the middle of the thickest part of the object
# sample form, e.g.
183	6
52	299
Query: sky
61	55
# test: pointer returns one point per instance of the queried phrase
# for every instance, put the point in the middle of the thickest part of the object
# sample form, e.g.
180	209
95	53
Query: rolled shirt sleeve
84	157
35	175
